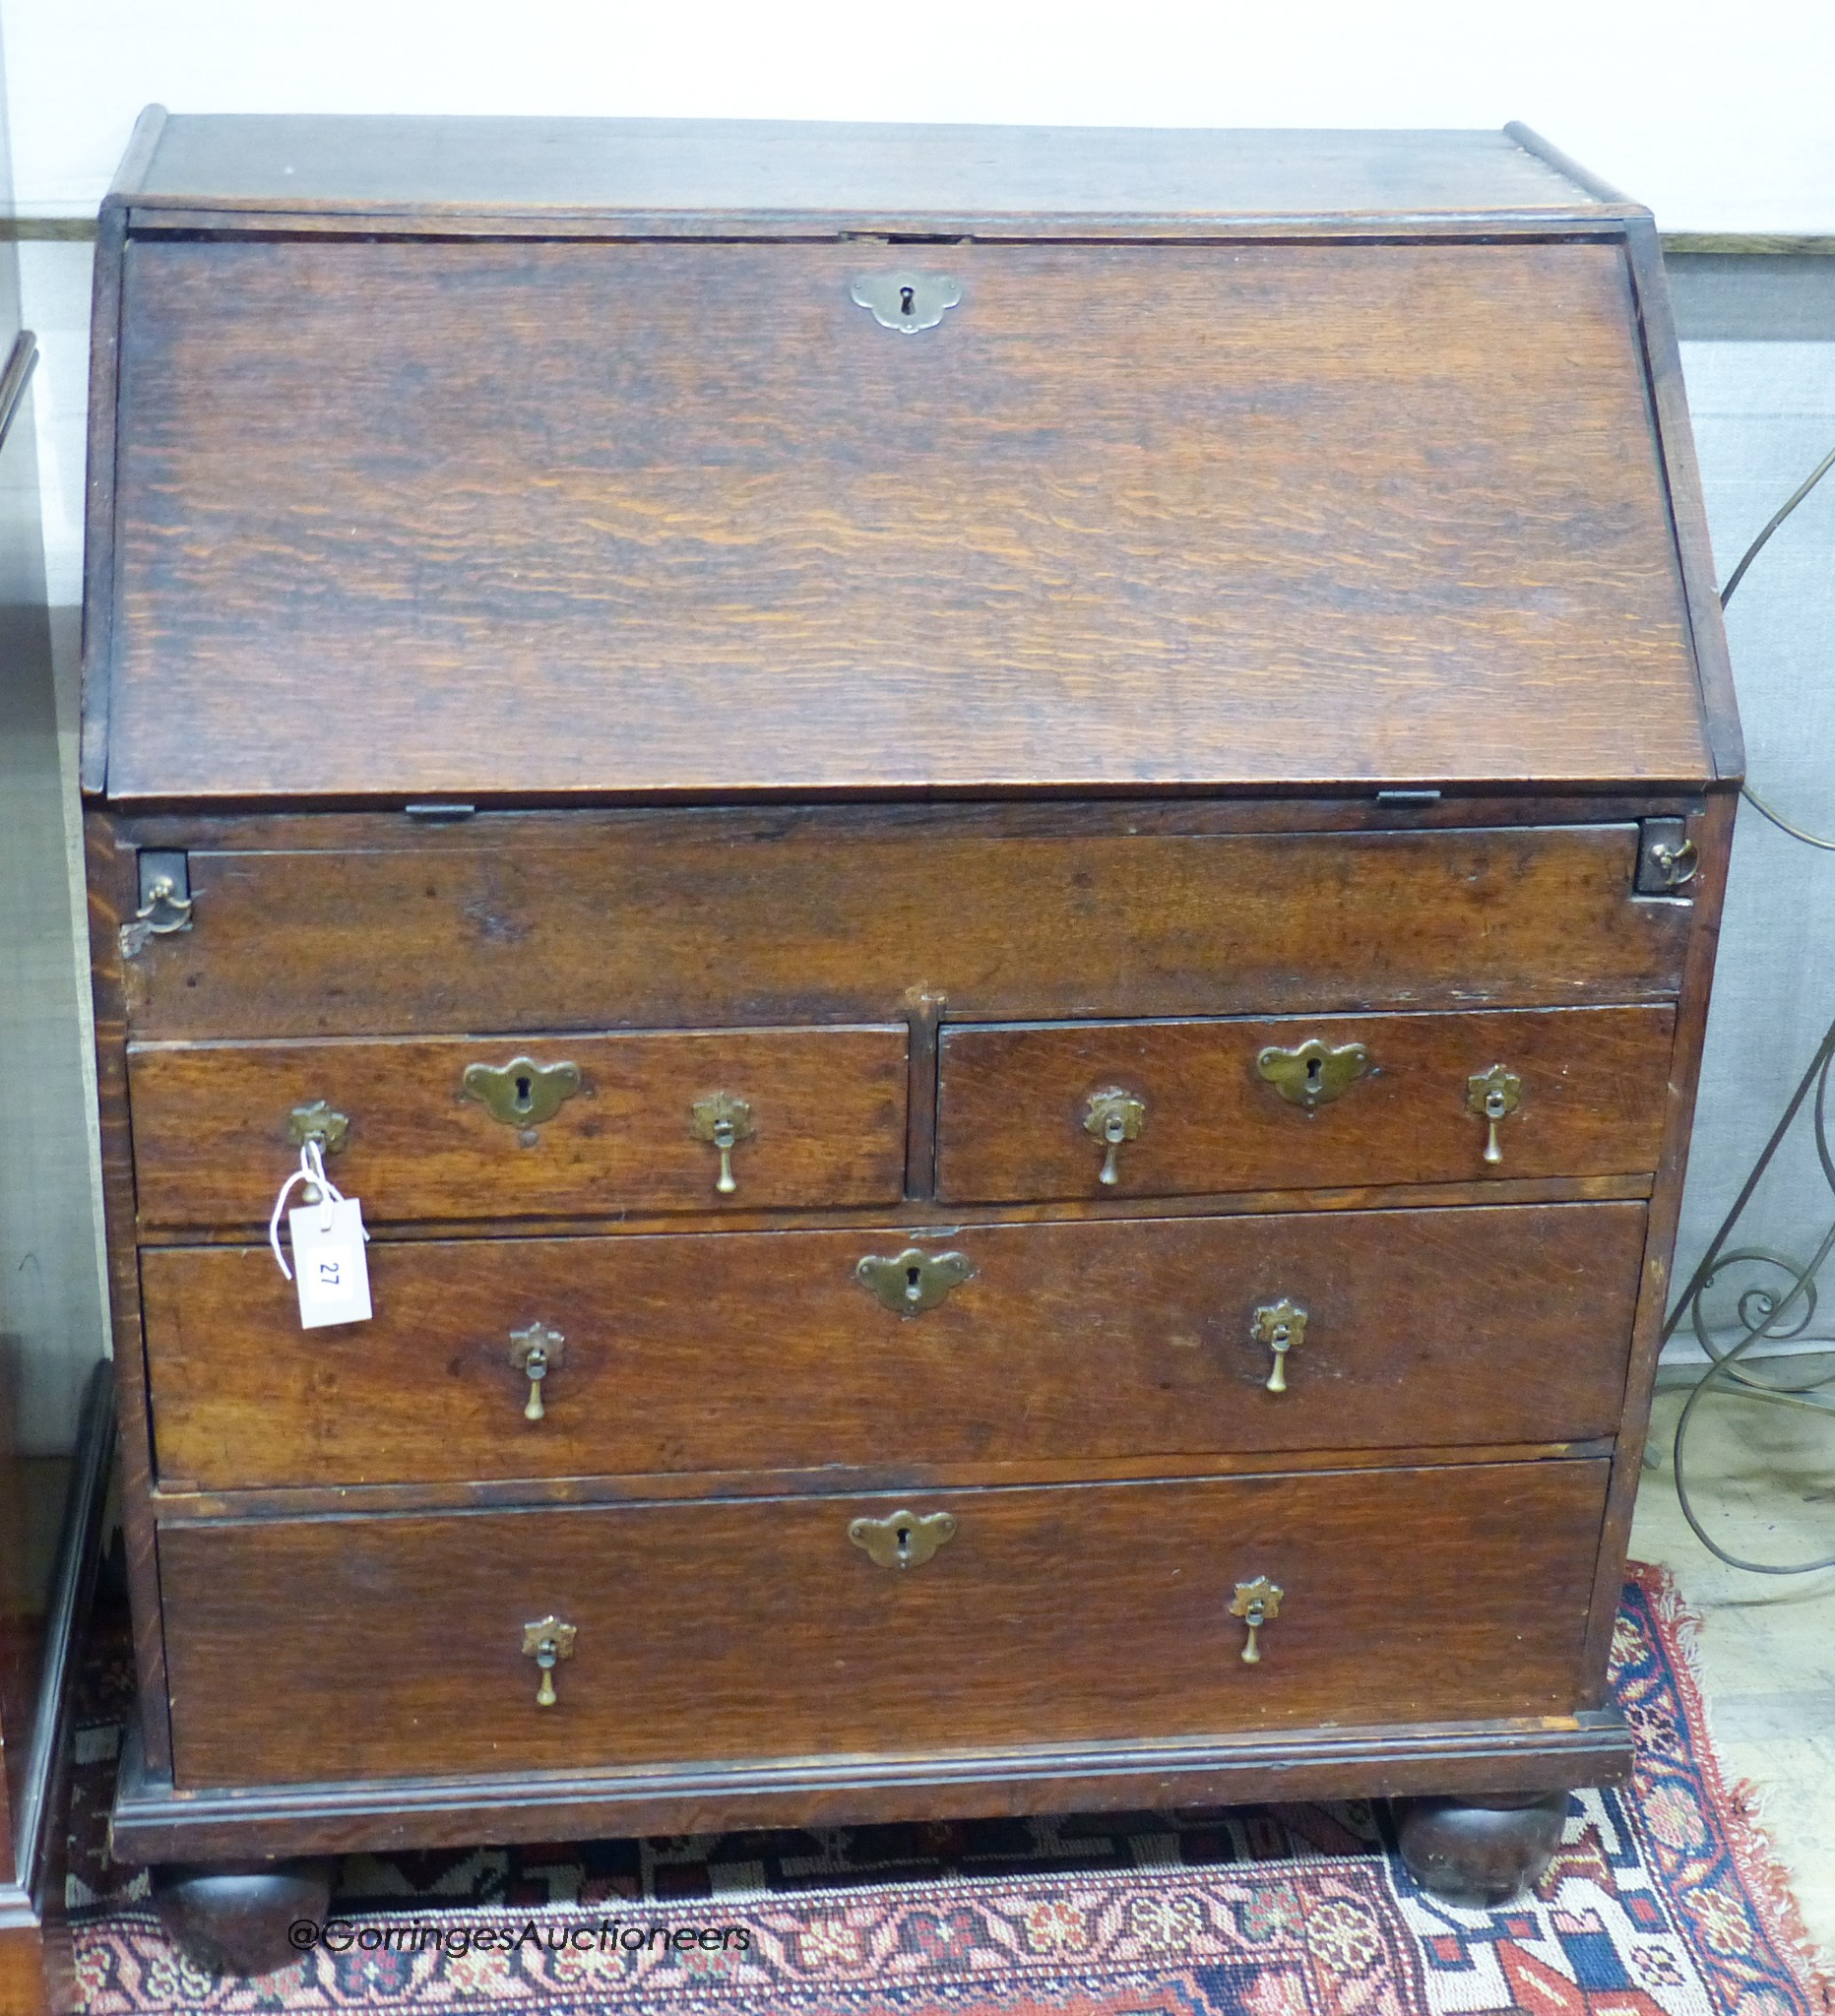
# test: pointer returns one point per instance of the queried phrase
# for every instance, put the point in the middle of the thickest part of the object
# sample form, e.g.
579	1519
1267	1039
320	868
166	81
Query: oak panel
210	1124
764	1350
724	1630
1013	1102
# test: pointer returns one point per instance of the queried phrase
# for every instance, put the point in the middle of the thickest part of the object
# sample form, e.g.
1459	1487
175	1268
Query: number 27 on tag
328	1267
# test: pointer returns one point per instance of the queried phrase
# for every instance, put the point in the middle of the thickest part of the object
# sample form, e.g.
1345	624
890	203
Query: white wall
1717	117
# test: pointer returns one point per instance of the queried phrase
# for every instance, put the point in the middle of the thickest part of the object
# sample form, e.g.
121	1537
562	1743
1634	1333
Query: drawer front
389	1647
468	1128
1157	1108
674	919
766	1350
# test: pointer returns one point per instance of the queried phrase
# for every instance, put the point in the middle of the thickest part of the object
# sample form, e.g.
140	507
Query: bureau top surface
482	509
772	168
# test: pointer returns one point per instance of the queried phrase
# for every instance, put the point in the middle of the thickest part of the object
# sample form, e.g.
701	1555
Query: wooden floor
1762	1479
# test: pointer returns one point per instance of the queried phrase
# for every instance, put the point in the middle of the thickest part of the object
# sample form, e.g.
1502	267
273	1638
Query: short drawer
1157	1108
765	1628
740	1350
463	1127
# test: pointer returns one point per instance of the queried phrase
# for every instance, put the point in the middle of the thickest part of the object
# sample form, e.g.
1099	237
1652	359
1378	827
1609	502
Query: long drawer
769	1628
782	916
1153	1108
469	1128
740	1351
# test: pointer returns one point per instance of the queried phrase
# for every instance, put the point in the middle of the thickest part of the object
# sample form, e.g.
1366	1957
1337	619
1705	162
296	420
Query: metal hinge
1667	862
165	900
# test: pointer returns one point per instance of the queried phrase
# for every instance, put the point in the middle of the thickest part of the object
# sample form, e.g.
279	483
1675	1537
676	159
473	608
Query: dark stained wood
675	923
1481	1853
1014	1098
236	1921
153	1824
675	174
763	1350
828	1118
177	1502
1713	838
1677	444
701	526
113	898
1085	1615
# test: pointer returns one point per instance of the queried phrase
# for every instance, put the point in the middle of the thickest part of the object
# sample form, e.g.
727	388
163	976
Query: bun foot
1481	1851
234	1917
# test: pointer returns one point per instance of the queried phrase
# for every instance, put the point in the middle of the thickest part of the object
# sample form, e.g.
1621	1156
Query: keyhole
1313	1070
914	1284
525	1094
907	299
904	1535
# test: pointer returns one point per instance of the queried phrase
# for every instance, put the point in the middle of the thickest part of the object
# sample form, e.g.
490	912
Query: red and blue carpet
1664	1901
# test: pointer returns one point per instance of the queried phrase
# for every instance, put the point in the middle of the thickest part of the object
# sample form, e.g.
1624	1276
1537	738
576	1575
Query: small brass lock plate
318	1122
522	1093
902	1540
910	1282
906	301
1313	1072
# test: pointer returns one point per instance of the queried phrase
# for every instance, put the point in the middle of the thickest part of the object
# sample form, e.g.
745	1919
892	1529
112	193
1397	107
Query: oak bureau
993	857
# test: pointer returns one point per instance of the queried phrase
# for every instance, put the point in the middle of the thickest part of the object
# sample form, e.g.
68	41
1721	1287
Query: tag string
311	1169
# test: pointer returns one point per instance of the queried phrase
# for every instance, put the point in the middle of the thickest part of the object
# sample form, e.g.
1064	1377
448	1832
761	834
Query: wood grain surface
712	173
725	1630
764	1350
827	1105
1012	1102
674	518
662	918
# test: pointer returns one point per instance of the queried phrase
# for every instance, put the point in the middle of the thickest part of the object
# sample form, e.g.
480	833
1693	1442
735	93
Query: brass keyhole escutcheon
318	1122
1494	1095
1314	1073
906	301
912	1282
547	1642
725	1121
901	1539
522	1094
1113	1116
535	1353
1278	1326
1256	1603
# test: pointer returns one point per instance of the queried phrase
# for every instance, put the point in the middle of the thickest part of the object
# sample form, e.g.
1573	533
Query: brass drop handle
725	1121
1280	1326
547	1642
535	1353
1113	1116
1256	1603
164	907
1494	1095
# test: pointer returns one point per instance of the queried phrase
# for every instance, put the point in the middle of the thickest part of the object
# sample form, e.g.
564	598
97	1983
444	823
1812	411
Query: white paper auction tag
328	1267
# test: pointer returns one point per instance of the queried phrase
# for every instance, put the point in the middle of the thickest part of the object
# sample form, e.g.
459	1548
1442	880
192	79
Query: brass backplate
906	301
1313	1072
538	1340
902	1540
1495	1093
910	1282
318	1122
520	1093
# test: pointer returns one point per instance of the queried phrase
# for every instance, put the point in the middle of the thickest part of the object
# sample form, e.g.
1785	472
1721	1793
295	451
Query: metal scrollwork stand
1765	1314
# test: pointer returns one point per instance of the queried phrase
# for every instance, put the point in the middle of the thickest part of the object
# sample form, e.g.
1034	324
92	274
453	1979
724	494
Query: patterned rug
1664	1901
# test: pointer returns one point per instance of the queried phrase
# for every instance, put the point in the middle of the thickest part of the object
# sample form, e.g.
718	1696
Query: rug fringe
1762	1869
